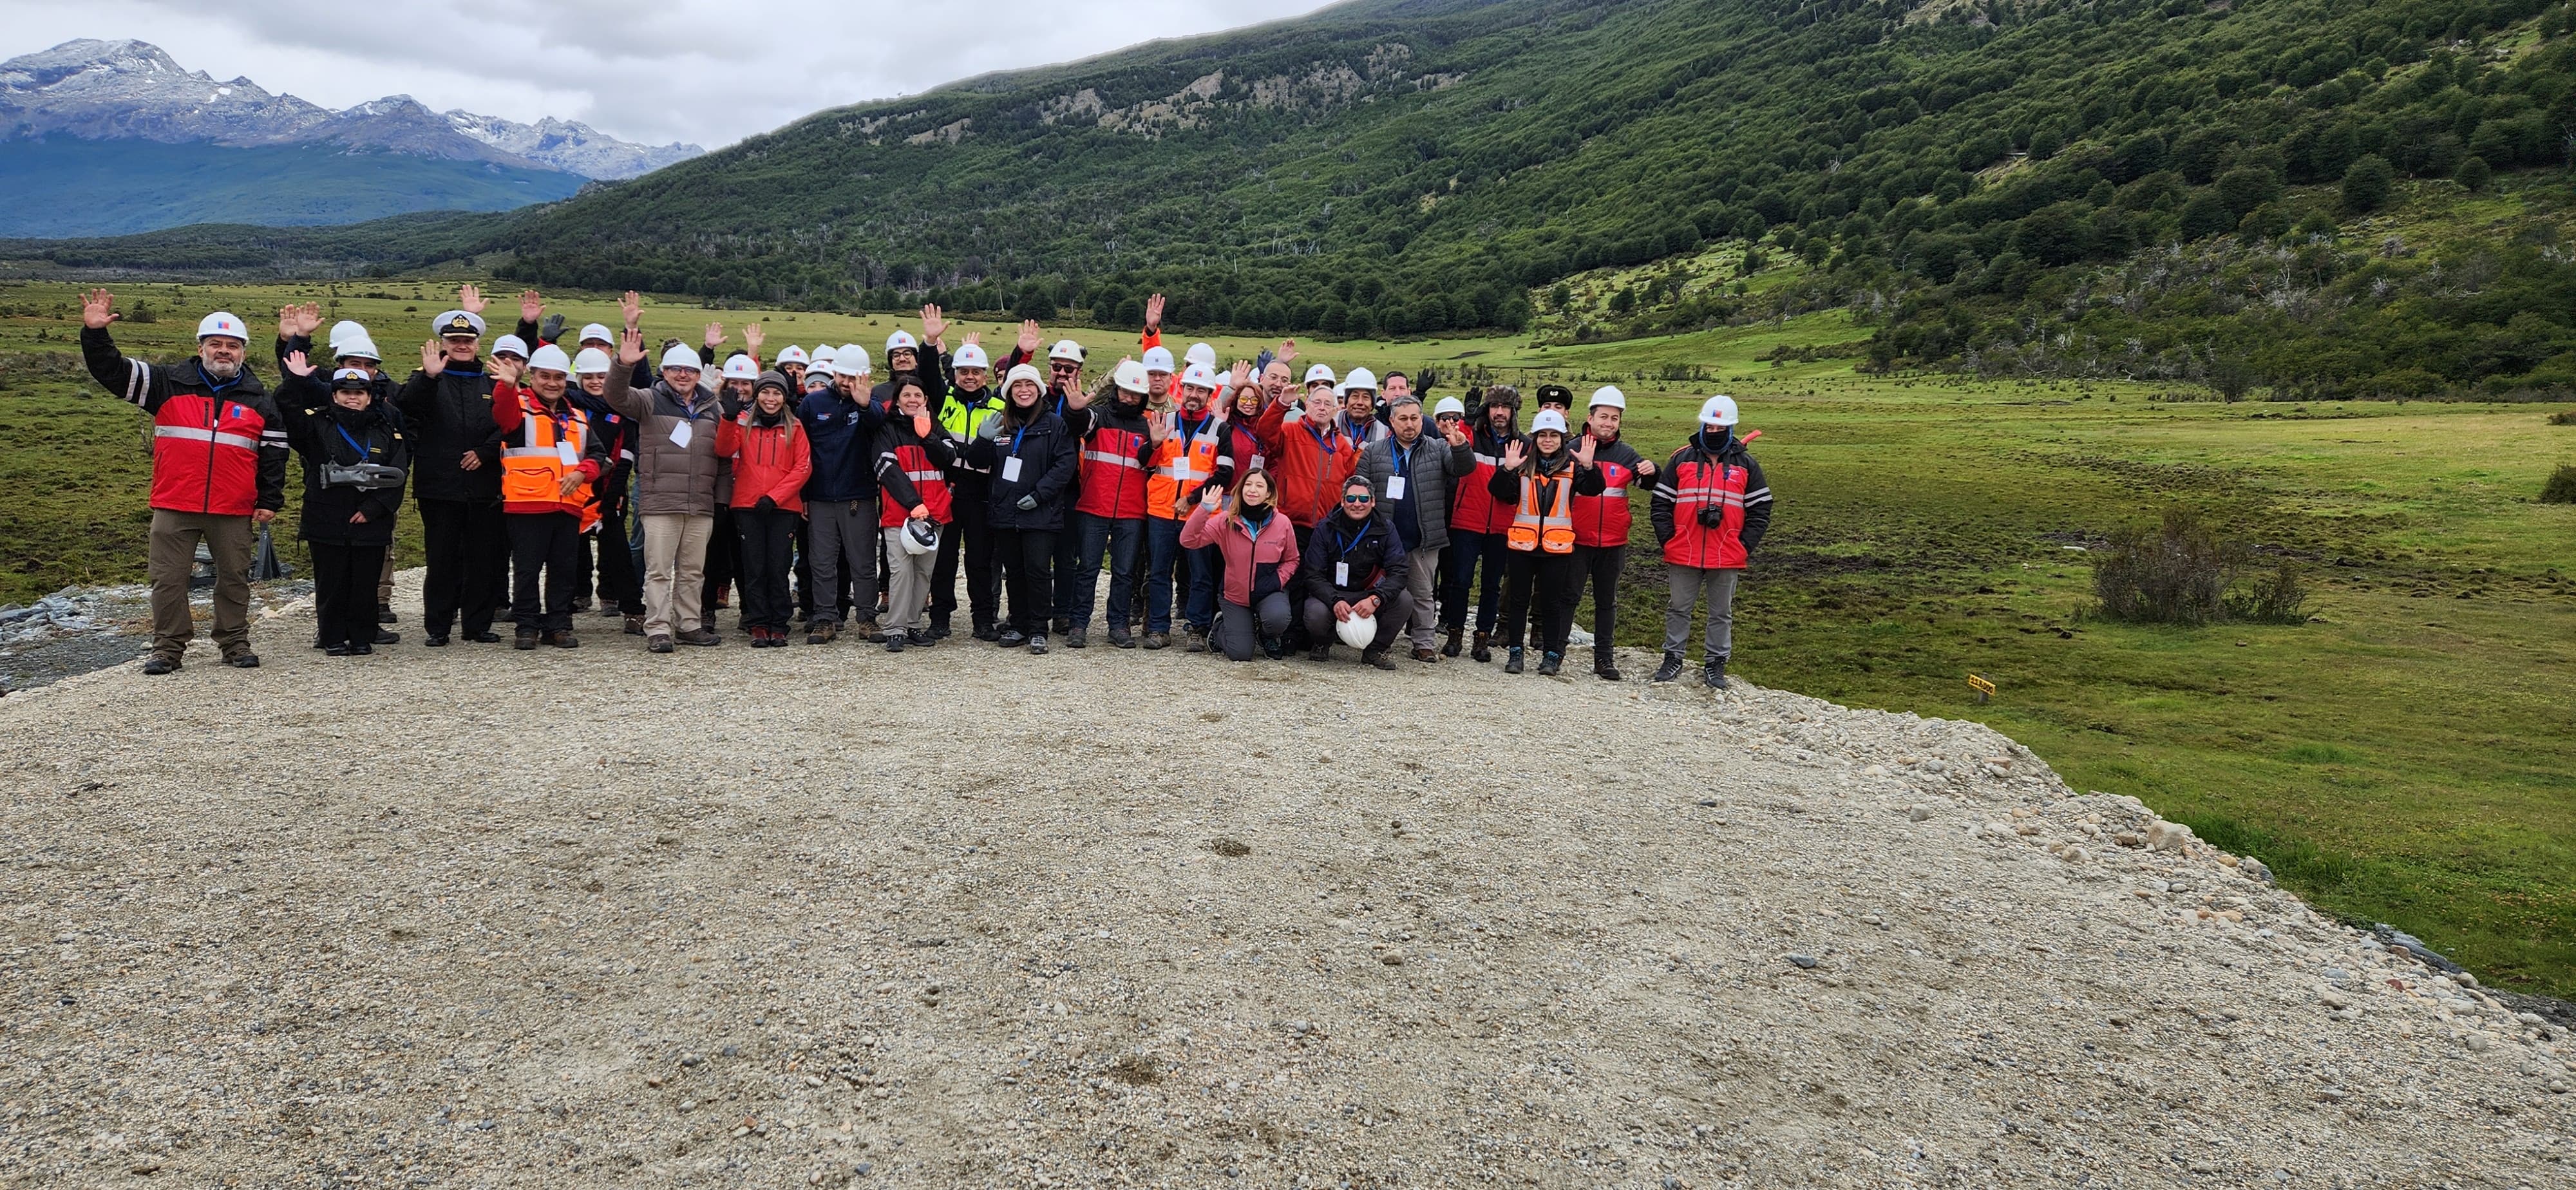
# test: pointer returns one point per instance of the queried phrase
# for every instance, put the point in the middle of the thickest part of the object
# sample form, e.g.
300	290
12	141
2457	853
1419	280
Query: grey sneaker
1670	670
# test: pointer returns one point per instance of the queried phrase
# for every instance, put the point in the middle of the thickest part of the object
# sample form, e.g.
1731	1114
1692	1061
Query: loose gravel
959	917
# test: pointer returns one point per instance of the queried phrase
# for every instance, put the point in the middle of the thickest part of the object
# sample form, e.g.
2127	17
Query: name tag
680	435
564	452
1341	574
1395	487
1011	469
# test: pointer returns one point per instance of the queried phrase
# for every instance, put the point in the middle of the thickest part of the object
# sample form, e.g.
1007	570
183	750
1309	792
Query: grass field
2406	757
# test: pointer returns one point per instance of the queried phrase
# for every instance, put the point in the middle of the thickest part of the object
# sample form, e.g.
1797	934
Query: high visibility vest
1604	520
928	481
962	419
1551	527
1181	467
1698	482
205	454
533	466
1112	477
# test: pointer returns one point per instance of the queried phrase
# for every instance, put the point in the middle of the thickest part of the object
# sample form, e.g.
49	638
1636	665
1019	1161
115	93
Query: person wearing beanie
550	457
841	498
1030	455
1261	562
446	409
1538	481
1477	525
771	462
1353	569
971	401
1414	474
1601	523
675	486
913	454
355	462
1711	508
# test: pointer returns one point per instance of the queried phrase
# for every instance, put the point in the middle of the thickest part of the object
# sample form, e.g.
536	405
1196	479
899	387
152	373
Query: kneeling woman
771	459
1260	551
354	463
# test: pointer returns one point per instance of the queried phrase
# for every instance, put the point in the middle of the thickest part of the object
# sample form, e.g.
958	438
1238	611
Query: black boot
1670	670
1450	648
1715	675
1549	663
1513	665
1603	667
1482	652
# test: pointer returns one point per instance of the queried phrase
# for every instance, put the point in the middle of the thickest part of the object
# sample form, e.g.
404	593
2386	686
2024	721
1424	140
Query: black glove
766	505
551	330
1713	515
1028	503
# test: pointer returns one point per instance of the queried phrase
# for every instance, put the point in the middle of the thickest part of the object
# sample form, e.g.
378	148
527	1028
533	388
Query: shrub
2367	183
2473	173
2564	417
2280	597
2175	573
2561	488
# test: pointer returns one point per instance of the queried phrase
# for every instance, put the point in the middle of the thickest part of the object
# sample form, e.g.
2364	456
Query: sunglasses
1357	499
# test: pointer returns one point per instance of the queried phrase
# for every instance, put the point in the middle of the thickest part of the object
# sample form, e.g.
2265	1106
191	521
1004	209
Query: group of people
1242	512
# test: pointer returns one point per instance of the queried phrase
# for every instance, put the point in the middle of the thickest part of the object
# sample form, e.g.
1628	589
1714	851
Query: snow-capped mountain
119	90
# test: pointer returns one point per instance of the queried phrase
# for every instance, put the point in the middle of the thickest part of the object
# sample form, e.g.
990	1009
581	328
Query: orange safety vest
532	468
1181	467
1551	528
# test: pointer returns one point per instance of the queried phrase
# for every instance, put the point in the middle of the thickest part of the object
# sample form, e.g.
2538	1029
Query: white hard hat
740	367
817	377
1159	359
682	356
458	322
221	322
1319	374
1359	632
1129	375
1200	353
357	346
1547	419
850	359
1718	411
512	344
970	356
345	332
1065	349
919	538
901	340
552	359
596	331
1199	375
822	353
793	354
591	362
1020	372
1447	406
1609	395
1360	378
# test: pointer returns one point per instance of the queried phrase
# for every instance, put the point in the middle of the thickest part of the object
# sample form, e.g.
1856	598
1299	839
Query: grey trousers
843	533
907	583
1687	582
1391	621
1235	633
1422	583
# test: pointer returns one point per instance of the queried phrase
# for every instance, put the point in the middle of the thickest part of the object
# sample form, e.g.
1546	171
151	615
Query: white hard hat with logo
740	367
1718	411
1066	349
681	356
970	356
1547	419
591	362
1130	375
222	323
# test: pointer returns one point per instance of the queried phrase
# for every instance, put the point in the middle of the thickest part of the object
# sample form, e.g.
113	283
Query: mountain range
112	136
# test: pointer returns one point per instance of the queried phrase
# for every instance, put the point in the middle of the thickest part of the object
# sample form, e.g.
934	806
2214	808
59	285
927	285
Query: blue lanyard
1403	463
353	443
1353	542
1190	433
1015	440
1324	439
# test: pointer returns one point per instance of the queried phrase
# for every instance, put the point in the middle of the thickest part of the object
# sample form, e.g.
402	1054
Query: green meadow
2406	756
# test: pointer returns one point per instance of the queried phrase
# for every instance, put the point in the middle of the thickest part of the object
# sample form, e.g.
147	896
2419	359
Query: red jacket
1475	510
1604	520
1307	465
216	448
1711	472
770	461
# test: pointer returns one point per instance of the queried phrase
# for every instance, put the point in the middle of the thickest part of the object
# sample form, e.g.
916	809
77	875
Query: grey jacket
1437	467
669	479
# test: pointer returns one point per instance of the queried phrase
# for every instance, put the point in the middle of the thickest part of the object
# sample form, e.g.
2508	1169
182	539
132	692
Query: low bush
2180	572
2561	488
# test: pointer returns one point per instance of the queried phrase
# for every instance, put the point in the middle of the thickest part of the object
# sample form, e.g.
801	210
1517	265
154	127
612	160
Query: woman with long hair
1260	551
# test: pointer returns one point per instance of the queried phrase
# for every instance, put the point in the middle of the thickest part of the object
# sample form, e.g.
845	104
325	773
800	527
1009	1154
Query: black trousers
1027	558
722	565
966	537
766	540
1540	585
804	568
619	583
344	591
468	555
544	548
1600	566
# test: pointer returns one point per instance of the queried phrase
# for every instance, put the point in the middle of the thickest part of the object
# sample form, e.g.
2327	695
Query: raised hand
933	326
974	338
504	370
286	321
753	337
1242	374
630	346
1029	336
1583	452
1512	456
1457	434
297	364
1287	352
1154	313
1158	426
308	318
98	308
470	299
921	425
531	306
433	357
632	306
715	335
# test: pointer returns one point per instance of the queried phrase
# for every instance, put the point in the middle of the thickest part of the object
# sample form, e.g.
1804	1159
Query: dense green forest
2164	188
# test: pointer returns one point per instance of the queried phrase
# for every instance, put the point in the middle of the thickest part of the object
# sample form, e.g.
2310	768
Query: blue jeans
1166	564
1123	538
1464	550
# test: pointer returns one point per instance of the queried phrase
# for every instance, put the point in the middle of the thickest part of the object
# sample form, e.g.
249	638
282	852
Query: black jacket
1046	451
448	415
323	432
1376	556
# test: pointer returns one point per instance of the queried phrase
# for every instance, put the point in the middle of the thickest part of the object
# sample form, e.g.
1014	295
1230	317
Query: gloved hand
551	330
766	505
991	429
1713	515
1028	504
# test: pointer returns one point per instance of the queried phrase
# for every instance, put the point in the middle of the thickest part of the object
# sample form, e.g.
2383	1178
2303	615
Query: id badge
1341	574
565	454
1395	487
1011	469
680	435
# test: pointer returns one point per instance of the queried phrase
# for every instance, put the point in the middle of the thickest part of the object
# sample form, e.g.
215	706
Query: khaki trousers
675	570
173	551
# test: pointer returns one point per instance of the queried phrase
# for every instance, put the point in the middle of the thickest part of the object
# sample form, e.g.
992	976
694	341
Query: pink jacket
1277	546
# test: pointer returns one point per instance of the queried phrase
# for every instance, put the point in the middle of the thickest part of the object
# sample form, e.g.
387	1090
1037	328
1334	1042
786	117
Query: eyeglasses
1357	499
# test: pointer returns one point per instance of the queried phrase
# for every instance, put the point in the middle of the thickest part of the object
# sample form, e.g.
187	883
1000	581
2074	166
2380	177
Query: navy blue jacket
842	435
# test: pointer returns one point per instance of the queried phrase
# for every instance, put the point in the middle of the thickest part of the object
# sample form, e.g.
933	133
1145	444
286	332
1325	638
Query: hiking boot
1376	659
562	638
1158	640
867	630
821	632
1037	645
1428	656
1450	648
1010	638
1079	637
581	603
243	660
1195	641
1322	652
159	665
657	643
1670	670
1275	648
922	638
608	610
526	638
704	638
1550	663
1513	665
1061	625
1482	651
385	614
1119	637
895	640
1603	668
1715	674
634	625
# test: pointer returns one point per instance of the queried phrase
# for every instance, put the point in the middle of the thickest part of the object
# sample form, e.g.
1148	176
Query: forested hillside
2320	195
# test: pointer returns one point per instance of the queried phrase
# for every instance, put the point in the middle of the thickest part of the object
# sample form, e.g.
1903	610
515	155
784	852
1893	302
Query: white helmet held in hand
550	358
919	537
1718	411
1359	632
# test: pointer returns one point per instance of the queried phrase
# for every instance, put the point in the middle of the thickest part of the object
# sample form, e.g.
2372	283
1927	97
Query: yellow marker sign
1984	688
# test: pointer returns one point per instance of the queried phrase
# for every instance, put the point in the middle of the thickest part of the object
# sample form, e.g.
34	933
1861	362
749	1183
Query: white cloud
708	71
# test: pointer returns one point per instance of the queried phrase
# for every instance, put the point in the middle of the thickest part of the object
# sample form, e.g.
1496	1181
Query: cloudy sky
708	71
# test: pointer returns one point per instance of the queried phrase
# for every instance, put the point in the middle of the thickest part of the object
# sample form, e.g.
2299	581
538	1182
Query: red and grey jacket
1602	521
217	446
1712	471
913	470
1474	510
1117	450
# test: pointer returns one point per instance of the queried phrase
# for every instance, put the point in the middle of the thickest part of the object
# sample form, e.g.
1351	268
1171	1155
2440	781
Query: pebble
1803	960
